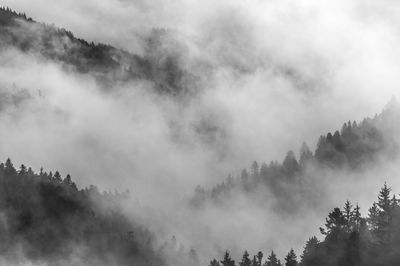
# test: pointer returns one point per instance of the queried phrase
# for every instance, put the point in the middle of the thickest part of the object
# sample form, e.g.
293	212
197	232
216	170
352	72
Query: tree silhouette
291	258
245	259
227	261
272	260
214	262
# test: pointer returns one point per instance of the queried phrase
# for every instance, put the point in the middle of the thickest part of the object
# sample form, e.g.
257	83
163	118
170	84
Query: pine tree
356	218
227	261
259	257
310	249
334	222
290	164
384	201
9	168
30	172
245	259
22	170
67	180
272	260
385	214
337	141
291	258
348	215
373	217
305	155
214	262
57	177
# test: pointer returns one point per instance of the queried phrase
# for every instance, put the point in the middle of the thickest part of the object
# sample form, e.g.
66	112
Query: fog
272	75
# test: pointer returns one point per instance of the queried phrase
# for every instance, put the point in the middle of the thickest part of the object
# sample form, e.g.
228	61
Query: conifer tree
245	259
291	258
334	222
214	262
310	249
356	218
9	168
260	257
272	260
227	261
373	217
57	177
348	215
305	155
22	170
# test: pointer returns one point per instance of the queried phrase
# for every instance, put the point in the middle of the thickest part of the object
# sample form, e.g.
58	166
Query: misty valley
128	145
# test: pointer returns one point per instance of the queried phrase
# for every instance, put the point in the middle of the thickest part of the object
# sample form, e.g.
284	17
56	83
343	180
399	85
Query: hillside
349	239
109	65
353	148
49	220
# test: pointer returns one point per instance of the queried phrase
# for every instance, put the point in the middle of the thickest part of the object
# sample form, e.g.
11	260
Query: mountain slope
349	239
49	220
108	64
353	148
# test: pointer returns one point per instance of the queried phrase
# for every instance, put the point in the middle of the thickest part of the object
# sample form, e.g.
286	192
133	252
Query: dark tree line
353	147
349	239
51	219
109	65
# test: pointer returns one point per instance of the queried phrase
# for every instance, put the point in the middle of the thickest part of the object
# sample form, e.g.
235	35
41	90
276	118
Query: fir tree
291	258
227	261
272	260
245	259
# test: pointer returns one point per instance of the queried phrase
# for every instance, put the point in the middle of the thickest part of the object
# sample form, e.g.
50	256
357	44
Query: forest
53	221
109	65
49	218
354	147
348	239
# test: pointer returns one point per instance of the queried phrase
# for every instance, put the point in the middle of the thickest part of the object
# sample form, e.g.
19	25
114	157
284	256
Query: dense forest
354	147
106	63
53	221
349	239
50	220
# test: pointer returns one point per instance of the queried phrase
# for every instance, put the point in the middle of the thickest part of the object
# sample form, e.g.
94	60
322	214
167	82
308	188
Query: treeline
349	239
353	147
52	221
109	65
7	16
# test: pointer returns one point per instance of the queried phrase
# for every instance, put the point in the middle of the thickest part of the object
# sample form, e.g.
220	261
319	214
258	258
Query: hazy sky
275	73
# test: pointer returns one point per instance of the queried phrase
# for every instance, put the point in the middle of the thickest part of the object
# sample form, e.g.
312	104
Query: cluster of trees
349	239
109	65
353	147
7	16
57	44
51	219
256	260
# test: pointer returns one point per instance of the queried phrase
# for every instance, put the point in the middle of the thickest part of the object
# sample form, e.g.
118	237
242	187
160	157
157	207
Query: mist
271	74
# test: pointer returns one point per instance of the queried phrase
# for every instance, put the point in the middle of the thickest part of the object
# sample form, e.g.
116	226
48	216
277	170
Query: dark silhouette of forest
349	239
51	219
109	65
354	147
